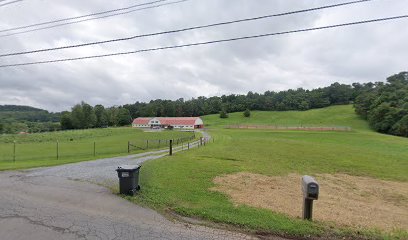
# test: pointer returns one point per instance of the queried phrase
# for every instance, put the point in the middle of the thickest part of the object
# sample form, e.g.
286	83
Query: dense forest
299	99
15	119
384	105
85	116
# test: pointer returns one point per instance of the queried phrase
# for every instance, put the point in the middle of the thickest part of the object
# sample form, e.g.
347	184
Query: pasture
231	181
55	148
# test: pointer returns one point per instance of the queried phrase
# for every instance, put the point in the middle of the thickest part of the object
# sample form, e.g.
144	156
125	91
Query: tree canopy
83	116
385	106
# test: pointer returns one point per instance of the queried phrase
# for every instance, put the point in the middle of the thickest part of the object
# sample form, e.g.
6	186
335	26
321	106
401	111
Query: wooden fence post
57	150
94	149
171	148
147	144
128	146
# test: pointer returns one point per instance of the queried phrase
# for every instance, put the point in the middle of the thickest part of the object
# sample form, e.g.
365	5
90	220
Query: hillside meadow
186	183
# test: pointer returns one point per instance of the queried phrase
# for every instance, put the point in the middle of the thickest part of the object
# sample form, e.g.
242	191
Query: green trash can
128	179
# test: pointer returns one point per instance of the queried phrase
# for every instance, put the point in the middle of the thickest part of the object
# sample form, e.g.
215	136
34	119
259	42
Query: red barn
164	122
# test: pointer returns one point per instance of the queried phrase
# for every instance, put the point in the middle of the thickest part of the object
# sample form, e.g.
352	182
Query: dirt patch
344	199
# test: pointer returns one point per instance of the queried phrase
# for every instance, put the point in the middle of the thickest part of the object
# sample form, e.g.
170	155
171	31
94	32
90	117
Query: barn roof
177	120
168	120
141	121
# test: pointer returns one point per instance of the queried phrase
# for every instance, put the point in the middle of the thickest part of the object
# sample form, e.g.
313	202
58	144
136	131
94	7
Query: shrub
223	114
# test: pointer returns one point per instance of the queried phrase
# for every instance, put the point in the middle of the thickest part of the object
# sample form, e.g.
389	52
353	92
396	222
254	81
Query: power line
185	29
15	1
208	42
90	19
82	16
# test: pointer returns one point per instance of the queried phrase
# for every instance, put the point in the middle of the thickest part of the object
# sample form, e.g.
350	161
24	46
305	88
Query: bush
247	113
223	114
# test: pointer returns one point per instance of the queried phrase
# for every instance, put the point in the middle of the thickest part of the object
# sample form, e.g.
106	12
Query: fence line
69	150
299	128
201	142
158	143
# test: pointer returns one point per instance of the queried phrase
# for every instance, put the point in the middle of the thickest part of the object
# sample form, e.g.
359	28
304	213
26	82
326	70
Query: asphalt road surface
73	202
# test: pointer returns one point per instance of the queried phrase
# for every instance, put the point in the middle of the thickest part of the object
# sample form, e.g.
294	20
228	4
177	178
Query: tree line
299	99
83	116
385	105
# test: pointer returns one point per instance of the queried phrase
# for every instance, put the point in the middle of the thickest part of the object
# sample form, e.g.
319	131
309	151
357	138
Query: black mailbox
128	179
310	189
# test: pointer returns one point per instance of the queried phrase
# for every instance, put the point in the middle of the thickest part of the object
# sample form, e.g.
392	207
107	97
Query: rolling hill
14	119
334	116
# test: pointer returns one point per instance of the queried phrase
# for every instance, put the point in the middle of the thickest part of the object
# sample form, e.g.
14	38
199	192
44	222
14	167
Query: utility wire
208	42
82	16
184	29
15	1
90	19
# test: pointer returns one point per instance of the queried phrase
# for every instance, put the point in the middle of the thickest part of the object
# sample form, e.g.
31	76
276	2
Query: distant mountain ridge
17	118
19	108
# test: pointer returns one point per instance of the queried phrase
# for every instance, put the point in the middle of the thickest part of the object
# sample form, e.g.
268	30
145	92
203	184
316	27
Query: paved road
64	202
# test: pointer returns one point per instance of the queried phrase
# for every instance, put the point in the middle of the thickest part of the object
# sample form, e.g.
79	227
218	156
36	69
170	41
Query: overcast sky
363	53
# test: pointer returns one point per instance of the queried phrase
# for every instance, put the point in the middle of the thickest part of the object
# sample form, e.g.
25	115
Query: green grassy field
181	183
35	150
336	116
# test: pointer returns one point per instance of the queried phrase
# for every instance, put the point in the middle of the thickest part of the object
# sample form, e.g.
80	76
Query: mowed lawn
36	150
182	183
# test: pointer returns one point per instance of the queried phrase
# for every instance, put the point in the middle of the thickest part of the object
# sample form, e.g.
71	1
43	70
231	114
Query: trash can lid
128	167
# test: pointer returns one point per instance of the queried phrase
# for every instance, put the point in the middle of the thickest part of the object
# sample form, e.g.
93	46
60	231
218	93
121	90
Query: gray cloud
314	59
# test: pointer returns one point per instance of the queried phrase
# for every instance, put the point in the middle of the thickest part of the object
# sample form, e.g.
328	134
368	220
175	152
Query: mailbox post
310	189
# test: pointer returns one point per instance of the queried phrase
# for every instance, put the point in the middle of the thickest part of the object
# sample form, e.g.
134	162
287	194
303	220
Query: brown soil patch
344	199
